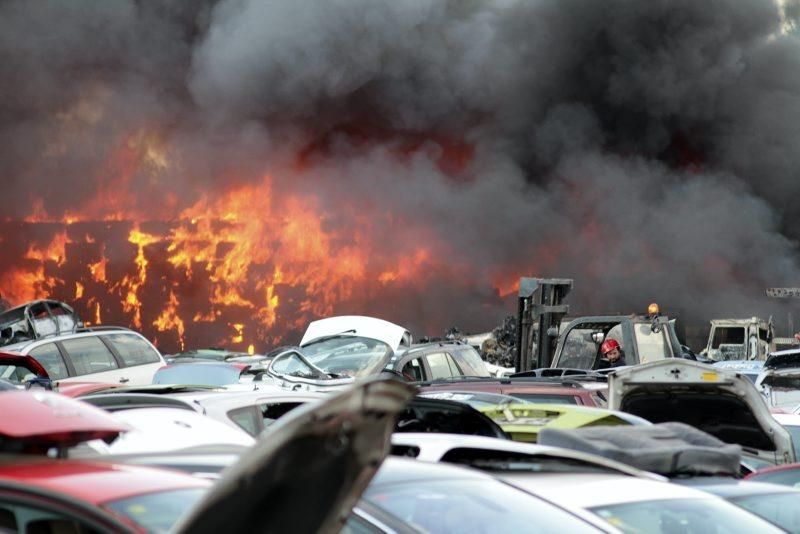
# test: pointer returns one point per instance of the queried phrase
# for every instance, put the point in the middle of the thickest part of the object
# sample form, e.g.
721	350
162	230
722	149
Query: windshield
475	506
682	515
783	509
350	356
157	512
652	345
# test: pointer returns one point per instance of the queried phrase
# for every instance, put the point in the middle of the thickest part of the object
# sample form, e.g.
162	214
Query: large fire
239	269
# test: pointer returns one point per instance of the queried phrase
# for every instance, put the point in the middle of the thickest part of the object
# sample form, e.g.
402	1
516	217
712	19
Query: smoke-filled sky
650	150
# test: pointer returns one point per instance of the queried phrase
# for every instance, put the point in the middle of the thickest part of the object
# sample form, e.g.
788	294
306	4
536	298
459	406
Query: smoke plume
649	150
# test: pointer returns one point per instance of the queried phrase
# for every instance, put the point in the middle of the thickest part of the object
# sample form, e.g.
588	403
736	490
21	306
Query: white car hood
356	325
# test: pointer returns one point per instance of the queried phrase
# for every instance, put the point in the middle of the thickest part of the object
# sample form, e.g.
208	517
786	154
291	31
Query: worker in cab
611	354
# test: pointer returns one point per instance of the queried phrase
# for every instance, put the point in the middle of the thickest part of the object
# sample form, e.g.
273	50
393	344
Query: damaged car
722	403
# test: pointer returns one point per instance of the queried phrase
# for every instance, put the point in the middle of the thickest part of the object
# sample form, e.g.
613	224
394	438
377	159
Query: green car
523	421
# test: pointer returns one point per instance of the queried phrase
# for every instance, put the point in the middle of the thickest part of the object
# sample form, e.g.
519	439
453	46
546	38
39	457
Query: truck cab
643	339
739	339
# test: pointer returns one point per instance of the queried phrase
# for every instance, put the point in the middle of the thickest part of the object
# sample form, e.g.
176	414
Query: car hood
43	419
393	335
722	403
524	421
310	470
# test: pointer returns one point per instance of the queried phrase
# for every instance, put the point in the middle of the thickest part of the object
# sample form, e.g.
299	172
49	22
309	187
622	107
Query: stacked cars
214	440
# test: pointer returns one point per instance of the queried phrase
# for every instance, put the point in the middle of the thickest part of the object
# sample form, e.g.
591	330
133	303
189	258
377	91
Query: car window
441	365
272	411
133	350
157	512
50	357
544	398
248	419
682	515
464	505
89	355
16	517
413	370
470	361
579	350
783	509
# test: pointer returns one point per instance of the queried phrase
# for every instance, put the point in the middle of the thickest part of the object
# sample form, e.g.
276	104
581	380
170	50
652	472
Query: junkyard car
333	447
251	411
779	381
336	350
98	355
445	498
722	403
505	456
37	319
532	389
635	505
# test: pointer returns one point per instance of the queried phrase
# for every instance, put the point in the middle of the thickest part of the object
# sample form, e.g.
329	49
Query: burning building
224	172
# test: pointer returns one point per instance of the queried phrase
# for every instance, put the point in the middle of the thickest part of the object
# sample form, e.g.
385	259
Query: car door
413	369
139	357
91	360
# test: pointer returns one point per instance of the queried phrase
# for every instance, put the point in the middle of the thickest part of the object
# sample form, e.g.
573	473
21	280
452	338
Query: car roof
732	487
95	482
433	446
23	345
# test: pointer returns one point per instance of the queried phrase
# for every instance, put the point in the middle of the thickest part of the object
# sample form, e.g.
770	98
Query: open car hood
356	325
42	419
310	470
722	403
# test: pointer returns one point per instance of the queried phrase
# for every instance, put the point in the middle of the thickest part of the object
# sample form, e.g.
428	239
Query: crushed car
37	319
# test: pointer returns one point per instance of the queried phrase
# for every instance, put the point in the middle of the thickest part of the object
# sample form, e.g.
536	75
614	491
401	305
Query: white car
251	411
100	354
499	455
168	429
635	504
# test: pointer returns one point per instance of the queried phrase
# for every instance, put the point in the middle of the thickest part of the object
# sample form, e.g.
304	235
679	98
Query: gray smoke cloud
649	150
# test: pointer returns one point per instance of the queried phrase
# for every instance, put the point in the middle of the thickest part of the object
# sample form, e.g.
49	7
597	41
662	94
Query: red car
531	390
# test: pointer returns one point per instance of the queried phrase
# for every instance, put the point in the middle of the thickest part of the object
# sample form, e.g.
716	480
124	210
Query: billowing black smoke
650	150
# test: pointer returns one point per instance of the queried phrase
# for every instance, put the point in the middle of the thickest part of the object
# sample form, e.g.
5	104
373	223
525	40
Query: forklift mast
539	317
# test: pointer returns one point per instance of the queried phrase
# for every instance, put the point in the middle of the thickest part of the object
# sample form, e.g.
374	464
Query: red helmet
609	345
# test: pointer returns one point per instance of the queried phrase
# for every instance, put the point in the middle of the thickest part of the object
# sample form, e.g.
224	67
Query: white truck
739	339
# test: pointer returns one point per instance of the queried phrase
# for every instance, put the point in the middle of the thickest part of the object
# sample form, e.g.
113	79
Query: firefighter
611	354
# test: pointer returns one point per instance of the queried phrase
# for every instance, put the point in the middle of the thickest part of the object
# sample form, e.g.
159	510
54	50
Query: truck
548	338
740	339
